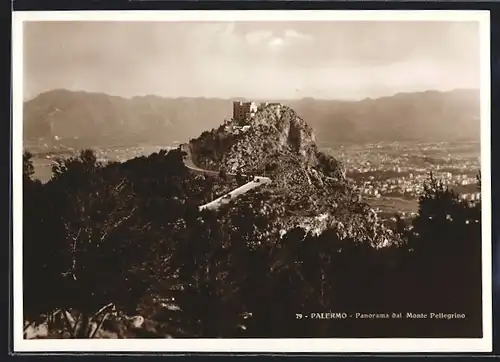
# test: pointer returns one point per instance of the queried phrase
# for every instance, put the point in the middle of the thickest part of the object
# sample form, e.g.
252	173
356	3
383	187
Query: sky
263	60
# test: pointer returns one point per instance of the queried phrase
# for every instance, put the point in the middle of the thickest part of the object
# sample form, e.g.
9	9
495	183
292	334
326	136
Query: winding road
226	198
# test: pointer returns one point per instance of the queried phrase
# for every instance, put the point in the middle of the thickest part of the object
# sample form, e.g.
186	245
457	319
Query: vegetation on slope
129	237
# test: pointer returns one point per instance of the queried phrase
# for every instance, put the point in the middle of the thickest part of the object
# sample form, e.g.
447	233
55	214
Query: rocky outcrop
275	142
276	134
307	185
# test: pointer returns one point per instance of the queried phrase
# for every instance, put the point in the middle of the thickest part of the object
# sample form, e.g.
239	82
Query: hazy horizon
247	98
348	60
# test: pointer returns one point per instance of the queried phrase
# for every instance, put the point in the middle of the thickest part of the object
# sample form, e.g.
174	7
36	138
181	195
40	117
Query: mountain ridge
238	98
66	116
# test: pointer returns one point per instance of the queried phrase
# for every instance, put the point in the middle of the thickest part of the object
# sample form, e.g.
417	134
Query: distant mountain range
84	119
426	116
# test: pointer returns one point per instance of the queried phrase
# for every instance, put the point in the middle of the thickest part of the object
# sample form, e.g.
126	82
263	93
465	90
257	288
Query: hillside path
226	198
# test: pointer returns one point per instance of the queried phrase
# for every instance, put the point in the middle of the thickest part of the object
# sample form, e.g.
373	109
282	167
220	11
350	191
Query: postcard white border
252	345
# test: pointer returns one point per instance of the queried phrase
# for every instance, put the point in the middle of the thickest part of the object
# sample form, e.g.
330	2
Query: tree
28	168
446	239
223	175
240	179
40	264
111	231
101	248
207	261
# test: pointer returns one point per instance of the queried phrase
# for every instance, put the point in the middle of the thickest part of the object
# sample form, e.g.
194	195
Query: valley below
388	175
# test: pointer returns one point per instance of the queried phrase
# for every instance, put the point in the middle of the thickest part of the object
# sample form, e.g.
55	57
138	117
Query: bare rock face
36	331
136	321
274	142
278	129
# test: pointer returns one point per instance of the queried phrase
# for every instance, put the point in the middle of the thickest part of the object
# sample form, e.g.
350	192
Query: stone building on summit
244	110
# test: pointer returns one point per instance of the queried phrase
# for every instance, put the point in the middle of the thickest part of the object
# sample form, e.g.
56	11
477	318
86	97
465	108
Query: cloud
290	38
250	59
295	35
276	42
258	37
266	37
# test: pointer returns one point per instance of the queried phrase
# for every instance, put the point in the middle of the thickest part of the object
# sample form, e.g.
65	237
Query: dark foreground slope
130	236
103	242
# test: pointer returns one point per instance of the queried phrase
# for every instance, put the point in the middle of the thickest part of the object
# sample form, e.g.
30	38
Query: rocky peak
287	129
273	142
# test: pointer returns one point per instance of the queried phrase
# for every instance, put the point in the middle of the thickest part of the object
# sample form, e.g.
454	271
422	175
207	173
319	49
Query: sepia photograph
252	181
